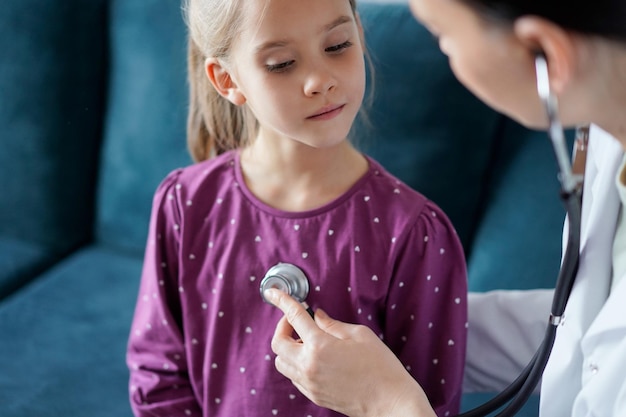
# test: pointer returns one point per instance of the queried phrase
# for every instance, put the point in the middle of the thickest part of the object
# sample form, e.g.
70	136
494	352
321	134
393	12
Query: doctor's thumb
322	319
331	326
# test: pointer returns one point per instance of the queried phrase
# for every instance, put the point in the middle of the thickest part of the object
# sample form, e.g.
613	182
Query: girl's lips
327	112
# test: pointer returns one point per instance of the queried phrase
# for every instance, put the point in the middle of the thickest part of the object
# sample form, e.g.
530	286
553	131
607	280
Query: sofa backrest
51	99
52	87
144	135
485	171
517	239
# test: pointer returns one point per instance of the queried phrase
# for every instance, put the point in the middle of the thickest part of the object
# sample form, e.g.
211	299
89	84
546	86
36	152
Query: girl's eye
281	67
338	48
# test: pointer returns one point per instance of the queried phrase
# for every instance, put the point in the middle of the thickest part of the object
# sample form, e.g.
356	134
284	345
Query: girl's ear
555	43
223	82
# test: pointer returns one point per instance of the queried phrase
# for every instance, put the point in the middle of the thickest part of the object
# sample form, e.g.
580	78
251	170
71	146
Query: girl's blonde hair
214	124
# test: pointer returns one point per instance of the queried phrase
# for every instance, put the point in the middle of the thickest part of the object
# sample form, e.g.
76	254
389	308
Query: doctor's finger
284	343
288	366
284	332
295	314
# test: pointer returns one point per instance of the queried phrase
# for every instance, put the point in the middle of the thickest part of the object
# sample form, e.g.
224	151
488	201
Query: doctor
491	45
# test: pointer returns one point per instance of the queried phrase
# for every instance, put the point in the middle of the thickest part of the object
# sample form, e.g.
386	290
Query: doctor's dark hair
606	18
214	124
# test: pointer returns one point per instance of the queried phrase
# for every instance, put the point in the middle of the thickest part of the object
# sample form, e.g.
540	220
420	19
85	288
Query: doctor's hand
344	367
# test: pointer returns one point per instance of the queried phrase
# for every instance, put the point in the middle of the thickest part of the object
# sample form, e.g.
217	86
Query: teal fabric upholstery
93	111
146	117
51	104
522	217
470	401
20	260
64	339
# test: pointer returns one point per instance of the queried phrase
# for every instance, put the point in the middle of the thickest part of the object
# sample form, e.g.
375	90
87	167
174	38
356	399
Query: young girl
275	88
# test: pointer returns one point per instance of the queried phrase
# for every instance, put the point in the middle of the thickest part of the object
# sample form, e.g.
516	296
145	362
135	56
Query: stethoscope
292	280
289	279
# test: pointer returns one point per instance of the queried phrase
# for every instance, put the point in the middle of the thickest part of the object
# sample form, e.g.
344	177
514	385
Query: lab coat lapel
606	153
600	209
611	316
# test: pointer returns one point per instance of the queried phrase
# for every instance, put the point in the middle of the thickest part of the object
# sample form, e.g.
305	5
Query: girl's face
299	65
486	57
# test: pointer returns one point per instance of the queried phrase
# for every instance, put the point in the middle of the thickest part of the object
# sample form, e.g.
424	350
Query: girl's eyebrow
337	22
280	43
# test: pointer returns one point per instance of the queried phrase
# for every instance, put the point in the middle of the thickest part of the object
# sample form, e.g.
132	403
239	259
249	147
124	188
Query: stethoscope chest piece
287	278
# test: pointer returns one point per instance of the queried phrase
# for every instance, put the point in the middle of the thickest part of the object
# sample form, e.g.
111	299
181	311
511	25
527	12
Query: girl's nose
319	81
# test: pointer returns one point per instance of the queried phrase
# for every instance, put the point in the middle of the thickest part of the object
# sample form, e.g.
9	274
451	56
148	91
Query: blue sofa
92	115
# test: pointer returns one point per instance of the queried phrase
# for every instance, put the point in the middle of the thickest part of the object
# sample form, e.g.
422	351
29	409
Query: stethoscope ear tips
287	278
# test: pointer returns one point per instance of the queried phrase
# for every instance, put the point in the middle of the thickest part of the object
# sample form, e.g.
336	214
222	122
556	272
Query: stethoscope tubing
520	390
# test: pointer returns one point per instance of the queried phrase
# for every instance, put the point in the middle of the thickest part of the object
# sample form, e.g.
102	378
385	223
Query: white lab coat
586	373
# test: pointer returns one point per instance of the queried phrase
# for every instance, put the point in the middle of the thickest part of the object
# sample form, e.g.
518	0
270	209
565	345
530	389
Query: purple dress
381	255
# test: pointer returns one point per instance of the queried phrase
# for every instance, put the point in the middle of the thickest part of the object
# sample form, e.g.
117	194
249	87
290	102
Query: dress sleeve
426	320
159	378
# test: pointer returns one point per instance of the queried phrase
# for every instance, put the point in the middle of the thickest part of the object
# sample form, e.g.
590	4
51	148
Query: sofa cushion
146	116
63	344
19	262
52	87
470	401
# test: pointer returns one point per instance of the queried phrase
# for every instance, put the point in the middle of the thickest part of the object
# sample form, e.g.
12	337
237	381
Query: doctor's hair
214	124
605	18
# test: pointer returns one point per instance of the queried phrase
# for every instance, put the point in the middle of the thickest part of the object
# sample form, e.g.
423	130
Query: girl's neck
296	177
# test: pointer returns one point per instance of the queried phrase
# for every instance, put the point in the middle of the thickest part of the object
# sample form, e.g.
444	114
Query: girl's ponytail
214	124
